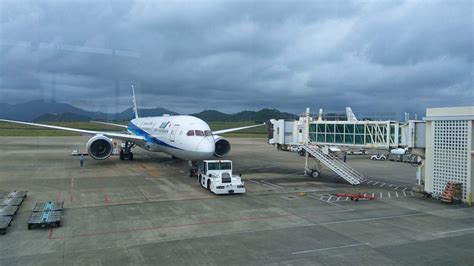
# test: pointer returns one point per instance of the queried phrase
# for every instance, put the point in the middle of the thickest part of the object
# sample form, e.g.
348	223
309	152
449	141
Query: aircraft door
174	131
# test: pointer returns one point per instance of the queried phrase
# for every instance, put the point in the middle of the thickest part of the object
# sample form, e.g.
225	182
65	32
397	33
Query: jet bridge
352	134
315	136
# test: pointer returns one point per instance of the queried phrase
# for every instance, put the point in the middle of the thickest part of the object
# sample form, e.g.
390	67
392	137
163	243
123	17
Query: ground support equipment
48	206
355	197
4	223
44	219
18	194
8	210
451	193
12	202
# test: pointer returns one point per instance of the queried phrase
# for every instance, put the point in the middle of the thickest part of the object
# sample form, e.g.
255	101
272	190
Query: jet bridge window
190	133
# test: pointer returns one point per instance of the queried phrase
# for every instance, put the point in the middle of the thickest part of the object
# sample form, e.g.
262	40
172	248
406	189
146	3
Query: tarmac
149	211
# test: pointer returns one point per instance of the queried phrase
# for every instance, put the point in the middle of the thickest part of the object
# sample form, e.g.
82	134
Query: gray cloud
376	56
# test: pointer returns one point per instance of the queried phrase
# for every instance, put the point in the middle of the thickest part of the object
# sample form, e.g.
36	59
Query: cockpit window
199	133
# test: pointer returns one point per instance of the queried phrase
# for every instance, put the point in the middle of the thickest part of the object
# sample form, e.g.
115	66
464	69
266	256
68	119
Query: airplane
181	136
350	115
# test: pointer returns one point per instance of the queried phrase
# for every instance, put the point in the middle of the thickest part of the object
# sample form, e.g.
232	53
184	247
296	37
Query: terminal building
449	149
443	141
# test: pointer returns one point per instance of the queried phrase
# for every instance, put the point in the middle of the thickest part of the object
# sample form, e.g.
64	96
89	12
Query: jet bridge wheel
302	152
315	174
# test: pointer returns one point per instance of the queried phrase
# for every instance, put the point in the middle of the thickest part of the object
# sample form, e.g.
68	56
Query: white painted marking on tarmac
396	193
404	206
389	194
373	195
412	193
390	185
338	198
347	198
381	195
404	194
405	189
330	197
376	183
331	248
389	217
372	219
383	184
332	203
322	197
396	188
262	183
369	182
453	231
270	185
348	210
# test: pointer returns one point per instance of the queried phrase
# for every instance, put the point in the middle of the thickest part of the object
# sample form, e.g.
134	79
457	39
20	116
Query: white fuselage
182	136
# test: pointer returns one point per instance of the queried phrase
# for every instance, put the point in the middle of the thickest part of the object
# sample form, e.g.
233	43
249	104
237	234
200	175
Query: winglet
135	109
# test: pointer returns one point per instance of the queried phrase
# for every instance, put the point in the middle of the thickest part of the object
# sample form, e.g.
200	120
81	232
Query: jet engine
222	146
99	147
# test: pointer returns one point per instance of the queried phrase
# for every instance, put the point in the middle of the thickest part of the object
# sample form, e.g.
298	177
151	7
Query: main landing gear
126	151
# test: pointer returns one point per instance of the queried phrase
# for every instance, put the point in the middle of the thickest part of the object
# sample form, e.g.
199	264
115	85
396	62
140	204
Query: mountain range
42	111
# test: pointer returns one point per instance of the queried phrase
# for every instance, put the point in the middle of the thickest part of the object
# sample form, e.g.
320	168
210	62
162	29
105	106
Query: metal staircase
334	163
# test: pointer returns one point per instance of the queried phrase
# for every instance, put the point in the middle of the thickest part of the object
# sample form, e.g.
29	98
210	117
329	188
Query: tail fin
135	109
350	115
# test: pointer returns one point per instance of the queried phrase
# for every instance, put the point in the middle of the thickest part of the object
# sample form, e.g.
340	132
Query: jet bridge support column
307	169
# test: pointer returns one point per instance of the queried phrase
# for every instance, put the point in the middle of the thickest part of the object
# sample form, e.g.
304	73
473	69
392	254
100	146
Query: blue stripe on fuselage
148	138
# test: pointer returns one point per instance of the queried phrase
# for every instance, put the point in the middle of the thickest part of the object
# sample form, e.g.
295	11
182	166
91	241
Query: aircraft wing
121	136
109	124
235	129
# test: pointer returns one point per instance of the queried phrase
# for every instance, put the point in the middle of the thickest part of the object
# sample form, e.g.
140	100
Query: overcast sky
376	56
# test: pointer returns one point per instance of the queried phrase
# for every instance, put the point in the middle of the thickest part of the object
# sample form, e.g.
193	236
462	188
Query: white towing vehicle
216	176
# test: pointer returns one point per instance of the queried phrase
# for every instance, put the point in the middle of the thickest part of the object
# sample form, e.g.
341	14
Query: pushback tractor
216	176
